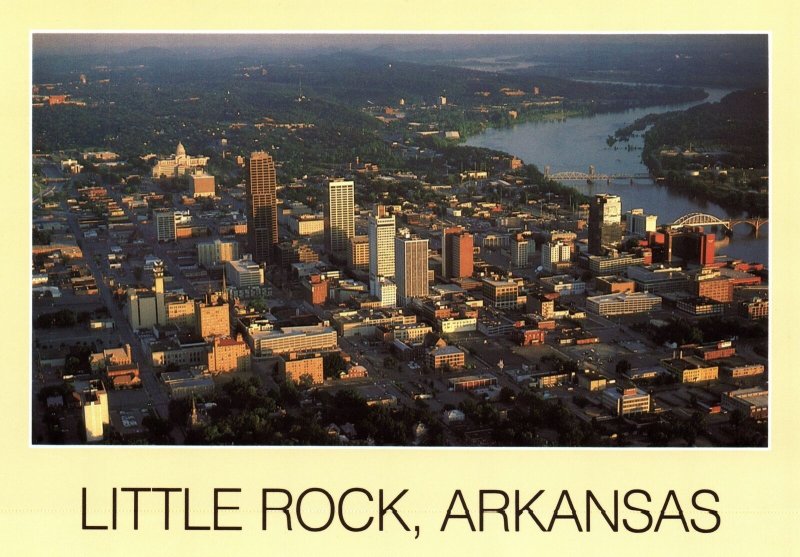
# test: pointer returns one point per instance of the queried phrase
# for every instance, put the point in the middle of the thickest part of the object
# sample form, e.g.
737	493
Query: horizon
226	43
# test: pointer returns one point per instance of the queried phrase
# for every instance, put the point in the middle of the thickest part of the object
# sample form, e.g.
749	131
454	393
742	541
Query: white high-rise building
385	290
640	223
94	403
411	267
519	252
554	253
339	216
381	233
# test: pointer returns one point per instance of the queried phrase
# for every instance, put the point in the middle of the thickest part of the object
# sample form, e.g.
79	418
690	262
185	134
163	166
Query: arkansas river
576	143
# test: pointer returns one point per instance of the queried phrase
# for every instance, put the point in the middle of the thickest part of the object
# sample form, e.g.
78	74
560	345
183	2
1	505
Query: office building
227	355
212	317
691	369
411	267
210	254
262	206
358	253
166	222
339	217
639	223
381	233
294	367
753	402
623	402
94	406
503	294
457	253
385	290
244	272
623	304
445	358
710	283
556	256
605	223
519	248
293	339
203	185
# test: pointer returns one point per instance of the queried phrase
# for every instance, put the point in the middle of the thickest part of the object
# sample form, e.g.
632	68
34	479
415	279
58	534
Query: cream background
40	493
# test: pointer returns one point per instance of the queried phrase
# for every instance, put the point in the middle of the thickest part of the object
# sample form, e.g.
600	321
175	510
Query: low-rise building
691	369
592	381
444	357
181	351
624	402
549	379
503	294
564	285
187	383
471	382
753	402
294	367
623	304
614	284
244	272
292	339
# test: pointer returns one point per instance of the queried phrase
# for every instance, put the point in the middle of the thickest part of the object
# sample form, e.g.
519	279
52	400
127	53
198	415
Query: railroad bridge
591	176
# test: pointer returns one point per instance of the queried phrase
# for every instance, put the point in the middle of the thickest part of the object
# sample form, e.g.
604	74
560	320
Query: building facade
339	216
358	253
457	253
166	222
203	185
556	255
411	267
244	272
228	354
381	233
179	164
623	303
605	222
219	251
262	206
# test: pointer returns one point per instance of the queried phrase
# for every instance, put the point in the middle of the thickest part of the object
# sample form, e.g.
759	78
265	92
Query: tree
333	364
623	367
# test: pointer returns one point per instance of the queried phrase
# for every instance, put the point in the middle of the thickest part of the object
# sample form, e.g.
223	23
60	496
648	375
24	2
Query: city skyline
226	243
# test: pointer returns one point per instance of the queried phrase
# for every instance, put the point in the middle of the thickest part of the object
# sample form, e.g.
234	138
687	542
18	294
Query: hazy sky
223	43
93	42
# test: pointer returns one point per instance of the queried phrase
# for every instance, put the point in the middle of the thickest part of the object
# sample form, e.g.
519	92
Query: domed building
179	164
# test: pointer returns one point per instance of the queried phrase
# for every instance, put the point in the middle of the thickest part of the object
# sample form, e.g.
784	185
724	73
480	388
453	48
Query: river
576	143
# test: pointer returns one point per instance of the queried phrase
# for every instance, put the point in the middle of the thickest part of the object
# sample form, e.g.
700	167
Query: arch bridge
704	219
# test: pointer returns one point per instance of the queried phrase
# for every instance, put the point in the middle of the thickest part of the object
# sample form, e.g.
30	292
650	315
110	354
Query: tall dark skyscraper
262	207
605	222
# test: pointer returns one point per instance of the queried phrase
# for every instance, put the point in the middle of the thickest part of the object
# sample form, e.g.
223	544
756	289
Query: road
156	396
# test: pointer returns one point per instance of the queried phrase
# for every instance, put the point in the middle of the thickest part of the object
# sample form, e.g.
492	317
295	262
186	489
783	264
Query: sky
227	43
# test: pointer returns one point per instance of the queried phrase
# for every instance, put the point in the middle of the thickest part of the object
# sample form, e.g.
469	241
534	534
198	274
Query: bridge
704	219
591	176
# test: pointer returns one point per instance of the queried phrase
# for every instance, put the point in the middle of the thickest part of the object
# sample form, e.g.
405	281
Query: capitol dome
180	151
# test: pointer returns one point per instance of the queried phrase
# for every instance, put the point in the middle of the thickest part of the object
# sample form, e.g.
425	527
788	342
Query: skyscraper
605	222
262	206
411	267
380	232
457	253
339	220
